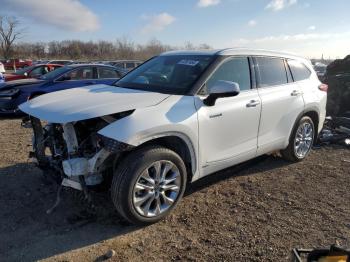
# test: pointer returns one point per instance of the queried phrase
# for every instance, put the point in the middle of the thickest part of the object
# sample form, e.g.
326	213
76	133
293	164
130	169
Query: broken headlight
112	145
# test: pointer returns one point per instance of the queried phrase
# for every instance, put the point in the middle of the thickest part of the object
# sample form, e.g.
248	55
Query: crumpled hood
88	102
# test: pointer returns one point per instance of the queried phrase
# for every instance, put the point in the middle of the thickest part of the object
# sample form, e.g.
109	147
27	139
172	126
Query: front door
228	130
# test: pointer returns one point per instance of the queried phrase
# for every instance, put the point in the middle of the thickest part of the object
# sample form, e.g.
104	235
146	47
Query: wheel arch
315	119
177	142
180	144
314	115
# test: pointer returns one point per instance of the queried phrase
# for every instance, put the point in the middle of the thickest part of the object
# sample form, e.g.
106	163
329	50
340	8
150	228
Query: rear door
282	102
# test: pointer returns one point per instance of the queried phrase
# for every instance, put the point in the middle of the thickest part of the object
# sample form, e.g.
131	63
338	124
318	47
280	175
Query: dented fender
177	117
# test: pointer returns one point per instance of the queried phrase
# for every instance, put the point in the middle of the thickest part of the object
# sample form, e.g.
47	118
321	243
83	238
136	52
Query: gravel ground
258	211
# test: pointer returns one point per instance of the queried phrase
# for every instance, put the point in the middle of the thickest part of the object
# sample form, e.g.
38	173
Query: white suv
176	118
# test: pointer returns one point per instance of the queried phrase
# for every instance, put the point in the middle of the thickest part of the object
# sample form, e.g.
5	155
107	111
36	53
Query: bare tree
122	48
9	33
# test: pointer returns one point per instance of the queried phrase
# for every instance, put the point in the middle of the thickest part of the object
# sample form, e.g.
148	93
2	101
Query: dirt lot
258	212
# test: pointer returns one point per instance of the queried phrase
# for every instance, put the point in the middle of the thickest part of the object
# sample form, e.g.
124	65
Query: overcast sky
307	27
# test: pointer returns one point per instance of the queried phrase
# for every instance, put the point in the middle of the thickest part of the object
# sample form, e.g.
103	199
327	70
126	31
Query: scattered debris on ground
336	130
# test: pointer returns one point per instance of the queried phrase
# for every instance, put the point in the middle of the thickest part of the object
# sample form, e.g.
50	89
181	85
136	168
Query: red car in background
12	64
34	71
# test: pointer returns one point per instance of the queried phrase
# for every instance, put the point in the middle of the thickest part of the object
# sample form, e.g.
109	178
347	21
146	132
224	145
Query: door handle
215	115
295	93
253	103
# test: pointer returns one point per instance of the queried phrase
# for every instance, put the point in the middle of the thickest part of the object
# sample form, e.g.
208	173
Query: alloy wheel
157	188
303	139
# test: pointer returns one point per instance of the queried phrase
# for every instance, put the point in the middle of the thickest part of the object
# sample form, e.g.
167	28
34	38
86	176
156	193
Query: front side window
170	74
56	73
40	70
24	70
233	70
272	71
299	70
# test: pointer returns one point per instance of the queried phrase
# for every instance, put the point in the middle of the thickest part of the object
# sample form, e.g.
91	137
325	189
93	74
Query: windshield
55	73
24	70
170	74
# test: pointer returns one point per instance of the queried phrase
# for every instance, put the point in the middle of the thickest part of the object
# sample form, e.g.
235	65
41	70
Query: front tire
148	184
300	141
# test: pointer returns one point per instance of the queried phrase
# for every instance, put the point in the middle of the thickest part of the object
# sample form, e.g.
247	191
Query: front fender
176	116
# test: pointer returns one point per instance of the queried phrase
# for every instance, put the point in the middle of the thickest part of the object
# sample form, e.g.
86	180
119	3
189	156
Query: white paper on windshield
188	62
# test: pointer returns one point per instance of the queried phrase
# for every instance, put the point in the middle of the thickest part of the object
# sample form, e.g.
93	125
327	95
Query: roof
60	60
81	65
234	51
125	61
98	65
49	64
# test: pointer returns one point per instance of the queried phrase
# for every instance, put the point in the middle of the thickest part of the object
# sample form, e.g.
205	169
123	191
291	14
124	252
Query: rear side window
104	72
234	70
271	71
299	70
81	74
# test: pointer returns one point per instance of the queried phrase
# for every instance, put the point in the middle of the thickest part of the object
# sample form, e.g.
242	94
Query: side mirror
25	74
222	89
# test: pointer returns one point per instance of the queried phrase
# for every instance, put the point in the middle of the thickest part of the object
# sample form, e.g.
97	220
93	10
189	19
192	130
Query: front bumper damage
76	166
8	103
75	153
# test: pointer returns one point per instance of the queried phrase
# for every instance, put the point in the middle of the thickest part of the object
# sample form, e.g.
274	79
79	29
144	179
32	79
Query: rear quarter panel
314	99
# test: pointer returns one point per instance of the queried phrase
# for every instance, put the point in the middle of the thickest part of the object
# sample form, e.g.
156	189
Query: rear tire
148	184
300	141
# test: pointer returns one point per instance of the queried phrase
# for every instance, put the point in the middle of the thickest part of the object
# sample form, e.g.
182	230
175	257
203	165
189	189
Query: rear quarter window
299	70
130	65
272	71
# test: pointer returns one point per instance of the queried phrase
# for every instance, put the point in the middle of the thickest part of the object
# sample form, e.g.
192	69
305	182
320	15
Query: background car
36	62
60	62
321	70
33	71
14	93
12	64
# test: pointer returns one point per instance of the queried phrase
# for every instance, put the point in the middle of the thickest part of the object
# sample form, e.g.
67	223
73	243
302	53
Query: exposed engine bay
74	153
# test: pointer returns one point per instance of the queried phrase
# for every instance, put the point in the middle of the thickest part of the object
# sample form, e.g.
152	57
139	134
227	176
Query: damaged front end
74	153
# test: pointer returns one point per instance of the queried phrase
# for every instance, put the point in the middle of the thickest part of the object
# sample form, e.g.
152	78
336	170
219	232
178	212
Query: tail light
323	87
